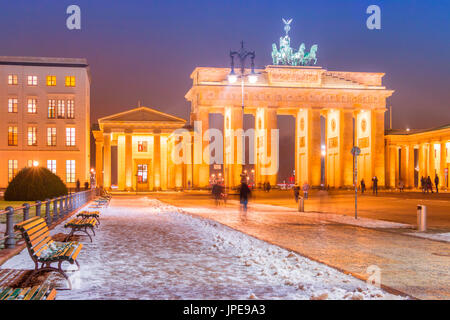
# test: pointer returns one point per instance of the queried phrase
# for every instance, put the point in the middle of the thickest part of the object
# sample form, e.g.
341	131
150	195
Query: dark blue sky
146	50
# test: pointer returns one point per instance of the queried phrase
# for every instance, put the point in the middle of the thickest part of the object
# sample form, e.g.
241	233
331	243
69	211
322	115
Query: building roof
141	114
44	61
414	131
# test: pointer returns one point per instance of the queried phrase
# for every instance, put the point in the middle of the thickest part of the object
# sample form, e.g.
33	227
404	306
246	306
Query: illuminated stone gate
352	104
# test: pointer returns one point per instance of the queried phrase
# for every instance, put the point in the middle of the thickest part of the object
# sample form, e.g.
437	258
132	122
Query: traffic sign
356	151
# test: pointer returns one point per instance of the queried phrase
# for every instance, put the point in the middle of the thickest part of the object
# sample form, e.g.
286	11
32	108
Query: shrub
36	183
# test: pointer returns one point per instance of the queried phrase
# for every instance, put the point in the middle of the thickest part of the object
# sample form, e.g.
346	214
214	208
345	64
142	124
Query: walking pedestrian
422	183
363	186
268	187
78	185
401	185
244	193
429	185
436	182
296	192
375	185
305	189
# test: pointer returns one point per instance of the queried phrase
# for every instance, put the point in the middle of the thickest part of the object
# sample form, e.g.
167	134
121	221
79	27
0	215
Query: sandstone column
201	150
431	161
99	162
411	168
377	150
233	145
128	161
393	154
345	146
157	162
443	164
107	161
404	165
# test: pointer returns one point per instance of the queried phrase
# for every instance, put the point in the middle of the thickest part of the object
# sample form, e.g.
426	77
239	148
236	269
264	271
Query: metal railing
51	210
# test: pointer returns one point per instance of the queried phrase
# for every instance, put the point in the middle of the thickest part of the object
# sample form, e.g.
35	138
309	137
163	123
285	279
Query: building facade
351	105
413	154
45	117
144	140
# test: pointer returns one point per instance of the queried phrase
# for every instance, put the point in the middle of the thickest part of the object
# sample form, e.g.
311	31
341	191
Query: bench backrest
36	235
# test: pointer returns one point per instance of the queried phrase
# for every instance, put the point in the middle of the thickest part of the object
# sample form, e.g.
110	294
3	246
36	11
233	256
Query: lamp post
242	56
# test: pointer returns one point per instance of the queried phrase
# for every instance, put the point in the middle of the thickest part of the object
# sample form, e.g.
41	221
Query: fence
52	209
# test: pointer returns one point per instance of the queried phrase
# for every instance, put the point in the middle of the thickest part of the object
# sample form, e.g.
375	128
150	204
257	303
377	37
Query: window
60	114
12	105
70	81
51	137
142	173
32	103
51	165
70	171
51	109
142	146
12	136
70	109
51	81
32	141
32	80
12	169
13	79
70	137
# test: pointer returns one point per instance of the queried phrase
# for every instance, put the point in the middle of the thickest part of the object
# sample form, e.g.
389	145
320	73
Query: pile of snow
146	249
432	236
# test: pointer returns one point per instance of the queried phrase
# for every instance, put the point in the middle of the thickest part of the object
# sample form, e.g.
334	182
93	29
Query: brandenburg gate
352	105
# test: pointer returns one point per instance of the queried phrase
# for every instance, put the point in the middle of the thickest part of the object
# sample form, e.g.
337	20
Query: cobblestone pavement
417	267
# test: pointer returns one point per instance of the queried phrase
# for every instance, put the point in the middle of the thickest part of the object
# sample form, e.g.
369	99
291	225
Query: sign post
355	152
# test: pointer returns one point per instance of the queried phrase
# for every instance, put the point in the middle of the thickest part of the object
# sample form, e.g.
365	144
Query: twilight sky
146	50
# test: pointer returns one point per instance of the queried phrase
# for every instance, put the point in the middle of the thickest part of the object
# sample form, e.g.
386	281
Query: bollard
301	206
48	217
55	209
421	217
26	211
10	242
38	208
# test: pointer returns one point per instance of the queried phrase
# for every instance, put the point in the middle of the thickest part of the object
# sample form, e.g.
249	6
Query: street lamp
242	55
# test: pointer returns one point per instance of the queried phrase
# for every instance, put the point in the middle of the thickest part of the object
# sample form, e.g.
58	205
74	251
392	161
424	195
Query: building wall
22	119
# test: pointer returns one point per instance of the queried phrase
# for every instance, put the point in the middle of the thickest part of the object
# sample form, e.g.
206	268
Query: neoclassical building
144	140
348	107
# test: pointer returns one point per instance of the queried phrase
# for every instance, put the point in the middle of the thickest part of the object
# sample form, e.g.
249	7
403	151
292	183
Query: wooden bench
43	249
81	224
90	214
31	293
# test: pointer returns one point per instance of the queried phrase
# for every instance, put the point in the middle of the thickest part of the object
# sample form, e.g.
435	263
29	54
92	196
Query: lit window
70	109
32	105
13	79
32	141
142	146
70	137
51	136
12	136
70	171
12	105
51	81
60	114
32	80
51	109
70	81
51	165
12	169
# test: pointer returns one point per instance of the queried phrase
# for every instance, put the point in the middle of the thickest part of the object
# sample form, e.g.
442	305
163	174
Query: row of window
32	136
61	109
51	165
13	79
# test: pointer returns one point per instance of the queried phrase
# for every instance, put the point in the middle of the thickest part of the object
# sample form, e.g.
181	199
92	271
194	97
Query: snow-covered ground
433	236
145	249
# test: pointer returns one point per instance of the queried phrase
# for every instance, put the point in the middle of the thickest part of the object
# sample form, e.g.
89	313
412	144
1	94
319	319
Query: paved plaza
146	249
418	267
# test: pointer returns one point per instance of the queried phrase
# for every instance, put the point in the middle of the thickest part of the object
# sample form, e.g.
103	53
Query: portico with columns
352	104
412	154
144	138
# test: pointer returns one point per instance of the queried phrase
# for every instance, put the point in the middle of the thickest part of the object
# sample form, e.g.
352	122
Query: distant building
44	117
